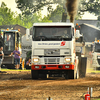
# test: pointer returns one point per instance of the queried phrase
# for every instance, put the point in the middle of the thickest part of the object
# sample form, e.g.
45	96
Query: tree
6	16
56	15
46	19
31	6
92	6
27	20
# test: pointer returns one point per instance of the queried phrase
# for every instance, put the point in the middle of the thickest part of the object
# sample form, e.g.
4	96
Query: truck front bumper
53	67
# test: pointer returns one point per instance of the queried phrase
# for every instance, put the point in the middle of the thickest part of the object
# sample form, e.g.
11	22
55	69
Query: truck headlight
35	60
67	59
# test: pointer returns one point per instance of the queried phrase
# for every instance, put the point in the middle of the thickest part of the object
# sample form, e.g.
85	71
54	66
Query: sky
11	4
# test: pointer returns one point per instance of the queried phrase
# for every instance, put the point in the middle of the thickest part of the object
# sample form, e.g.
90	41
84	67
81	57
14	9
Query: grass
5	69
88	70
92	71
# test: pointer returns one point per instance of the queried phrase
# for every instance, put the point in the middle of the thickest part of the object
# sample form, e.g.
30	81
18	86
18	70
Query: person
40	34
16	57
77	27
28	64
1	56
65	34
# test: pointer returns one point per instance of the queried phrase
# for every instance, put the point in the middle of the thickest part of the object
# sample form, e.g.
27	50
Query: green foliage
31	6
7	17
26	21
92	6
46	19
56	15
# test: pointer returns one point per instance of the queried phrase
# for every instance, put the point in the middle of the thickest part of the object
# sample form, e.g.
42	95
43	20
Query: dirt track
19	86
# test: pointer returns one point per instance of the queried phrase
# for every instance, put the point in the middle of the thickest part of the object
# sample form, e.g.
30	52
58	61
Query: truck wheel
72	74
34	74
69	74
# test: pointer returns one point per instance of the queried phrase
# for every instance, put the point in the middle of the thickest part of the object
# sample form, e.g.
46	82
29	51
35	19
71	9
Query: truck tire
73	74
69	74
43	76
34	74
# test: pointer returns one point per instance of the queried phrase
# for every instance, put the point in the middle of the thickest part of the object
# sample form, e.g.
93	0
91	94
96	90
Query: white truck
53	50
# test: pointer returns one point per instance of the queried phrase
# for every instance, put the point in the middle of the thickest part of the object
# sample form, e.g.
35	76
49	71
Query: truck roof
54	24
9	31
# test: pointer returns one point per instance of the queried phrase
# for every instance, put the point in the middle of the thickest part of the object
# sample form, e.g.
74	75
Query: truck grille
52	60
51	52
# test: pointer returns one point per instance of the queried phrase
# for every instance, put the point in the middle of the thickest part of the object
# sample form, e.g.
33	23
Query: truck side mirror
27	34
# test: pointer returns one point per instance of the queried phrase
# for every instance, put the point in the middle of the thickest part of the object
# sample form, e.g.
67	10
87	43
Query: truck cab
53	50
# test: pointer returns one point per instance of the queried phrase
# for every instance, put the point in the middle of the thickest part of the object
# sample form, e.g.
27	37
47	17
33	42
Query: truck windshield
9	41
97	47
52	33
